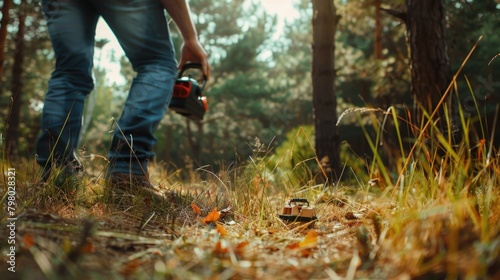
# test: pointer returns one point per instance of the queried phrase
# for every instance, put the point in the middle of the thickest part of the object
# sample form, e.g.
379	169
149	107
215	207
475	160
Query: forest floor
219	232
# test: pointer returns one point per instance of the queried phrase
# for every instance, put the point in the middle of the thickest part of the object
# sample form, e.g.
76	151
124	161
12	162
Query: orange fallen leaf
130	267
28	240
306	253
212	217
305	246
240	248
88	247
219	250
196	209
272	249
292	246
311	240
242	244
222	231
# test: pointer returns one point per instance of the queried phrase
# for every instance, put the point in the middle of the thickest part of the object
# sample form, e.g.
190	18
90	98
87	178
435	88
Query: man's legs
71	25
141	29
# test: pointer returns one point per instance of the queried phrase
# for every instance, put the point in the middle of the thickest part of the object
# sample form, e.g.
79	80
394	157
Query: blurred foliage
294	162
478	86
37	65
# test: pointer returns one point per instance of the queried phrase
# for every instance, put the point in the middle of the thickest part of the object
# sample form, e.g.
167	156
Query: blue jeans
141	29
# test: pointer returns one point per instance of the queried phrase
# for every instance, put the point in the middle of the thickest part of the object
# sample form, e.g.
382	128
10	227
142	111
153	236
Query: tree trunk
327	144
429	61
14	118
378	30
3	33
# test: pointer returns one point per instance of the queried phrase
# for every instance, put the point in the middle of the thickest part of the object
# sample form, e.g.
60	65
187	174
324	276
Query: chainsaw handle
299	200
192	65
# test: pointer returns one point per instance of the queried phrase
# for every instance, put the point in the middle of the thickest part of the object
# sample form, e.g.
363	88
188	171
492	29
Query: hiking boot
129	182
124	188
67	174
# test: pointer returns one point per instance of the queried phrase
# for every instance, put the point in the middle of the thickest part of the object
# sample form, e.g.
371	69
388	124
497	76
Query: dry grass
433	228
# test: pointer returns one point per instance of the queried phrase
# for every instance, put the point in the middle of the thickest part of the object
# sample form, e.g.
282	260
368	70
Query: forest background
261	81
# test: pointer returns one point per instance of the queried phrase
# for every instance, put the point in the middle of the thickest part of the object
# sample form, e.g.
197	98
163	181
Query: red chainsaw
188	99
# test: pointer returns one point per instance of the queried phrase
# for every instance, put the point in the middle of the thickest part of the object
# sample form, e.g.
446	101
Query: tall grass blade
490	149
440	103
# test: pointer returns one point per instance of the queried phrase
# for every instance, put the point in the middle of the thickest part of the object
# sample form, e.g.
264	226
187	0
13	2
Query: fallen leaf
219	250
222	231
273	249
196	209
240	248
311	240
305	246
212	217
130	267
306	252
293	246
28	240
88	247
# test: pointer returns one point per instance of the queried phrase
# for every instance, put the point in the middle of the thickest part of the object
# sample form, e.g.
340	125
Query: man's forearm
191	50
179	11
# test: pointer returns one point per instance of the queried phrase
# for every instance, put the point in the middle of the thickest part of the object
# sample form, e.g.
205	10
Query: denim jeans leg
142	30
71	25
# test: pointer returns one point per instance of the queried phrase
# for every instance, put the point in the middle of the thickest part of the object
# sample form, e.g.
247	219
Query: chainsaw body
298	210
188	99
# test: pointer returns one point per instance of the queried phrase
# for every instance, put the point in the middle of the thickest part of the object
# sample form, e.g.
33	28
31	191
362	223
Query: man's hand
192	51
